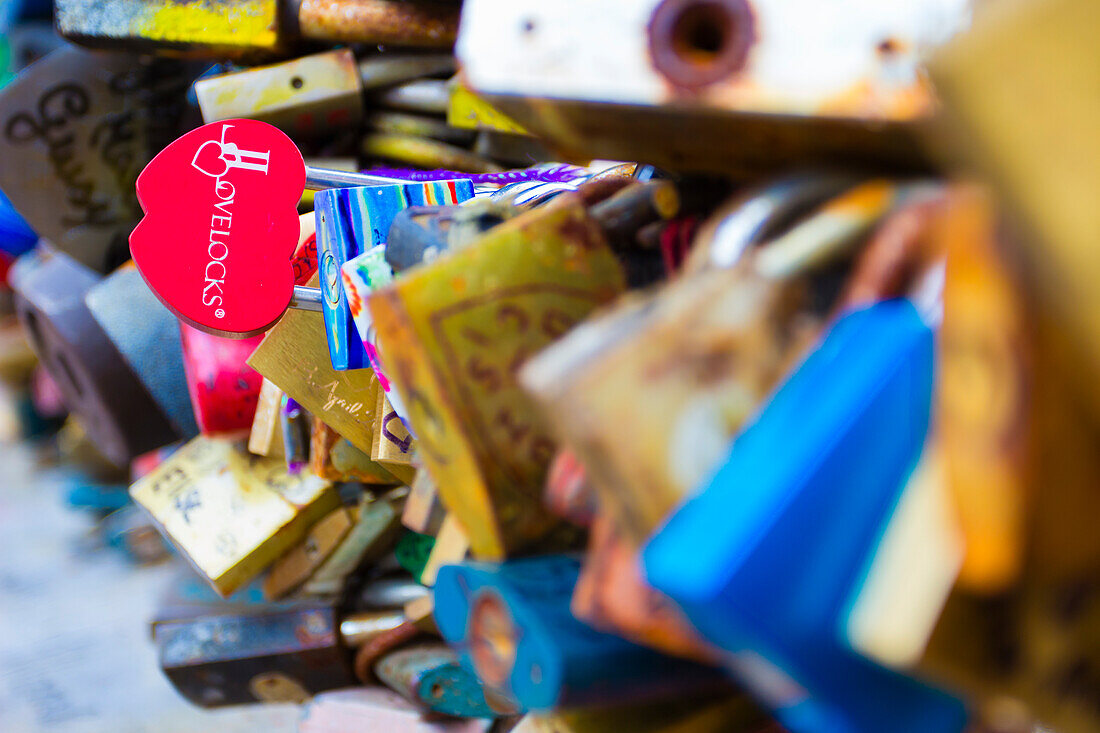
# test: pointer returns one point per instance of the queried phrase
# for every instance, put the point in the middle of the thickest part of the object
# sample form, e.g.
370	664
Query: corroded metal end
694	43
380	21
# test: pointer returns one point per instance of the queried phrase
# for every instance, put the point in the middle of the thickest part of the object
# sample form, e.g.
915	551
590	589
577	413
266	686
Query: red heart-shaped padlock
221	226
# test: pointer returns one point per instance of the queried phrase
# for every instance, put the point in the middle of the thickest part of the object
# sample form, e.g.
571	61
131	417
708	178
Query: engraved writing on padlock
230	513
75	129
295	357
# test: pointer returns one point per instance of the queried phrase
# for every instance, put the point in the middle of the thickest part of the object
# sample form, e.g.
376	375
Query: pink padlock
224	390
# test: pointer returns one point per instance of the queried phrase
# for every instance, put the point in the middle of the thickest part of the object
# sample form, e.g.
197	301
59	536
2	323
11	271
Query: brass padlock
231	514
702	352
294	568
294	355
335	458
453	333
375	532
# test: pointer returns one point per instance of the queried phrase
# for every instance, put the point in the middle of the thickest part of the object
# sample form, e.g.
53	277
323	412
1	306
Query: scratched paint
247	25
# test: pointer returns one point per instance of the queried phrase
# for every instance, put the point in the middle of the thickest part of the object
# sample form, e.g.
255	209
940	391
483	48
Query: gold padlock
333	457
393	446
294	356
375	532
700	353
452	335
295	567
229	512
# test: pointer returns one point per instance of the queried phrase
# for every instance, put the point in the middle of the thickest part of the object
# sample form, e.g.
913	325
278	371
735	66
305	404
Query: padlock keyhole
696	43
701	33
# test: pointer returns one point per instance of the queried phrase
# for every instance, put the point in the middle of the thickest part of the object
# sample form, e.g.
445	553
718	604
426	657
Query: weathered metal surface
373	535
281	656
390	68
120	416
430	96
422	152
670	82
611	595
401	632
295	567
424	512
146	334
533	277
857	58
389	22
231	513
428	674
308	96
76	128
334	458
399	123
703	352
199	27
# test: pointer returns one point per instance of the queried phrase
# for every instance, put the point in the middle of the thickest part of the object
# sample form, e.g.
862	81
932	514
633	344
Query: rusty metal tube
393	22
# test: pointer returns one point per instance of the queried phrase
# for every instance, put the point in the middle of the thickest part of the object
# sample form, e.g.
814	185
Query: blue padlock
763	559
16	235
83	493
349	222
510	624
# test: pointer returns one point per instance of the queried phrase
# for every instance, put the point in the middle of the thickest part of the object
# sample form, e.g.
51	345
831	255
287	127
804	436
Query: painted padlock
351	221
452	335
765	559
224	389
147	336
312	95
510	623
119	414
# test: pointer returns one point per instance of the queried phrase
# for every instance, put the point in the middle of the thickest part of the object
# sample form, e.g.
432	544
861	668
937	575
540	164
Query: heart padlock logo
221	226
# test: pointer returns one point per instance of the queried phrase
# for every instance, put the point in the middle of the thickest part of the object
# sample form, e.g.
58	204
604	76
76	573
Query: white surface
806	53
75	653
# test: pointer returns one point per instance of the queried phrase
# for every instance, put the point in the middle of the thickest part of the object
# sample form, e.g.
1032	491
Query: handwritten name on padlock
221	226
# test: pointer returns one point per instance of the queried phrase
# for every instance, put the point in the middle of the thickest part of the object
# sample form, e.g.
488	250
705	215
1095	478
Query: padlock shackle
318	179
306	299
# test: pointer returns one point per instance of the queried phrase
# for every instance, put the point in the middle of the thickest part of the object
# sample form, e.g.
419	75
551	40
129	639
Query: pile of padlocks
464	424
